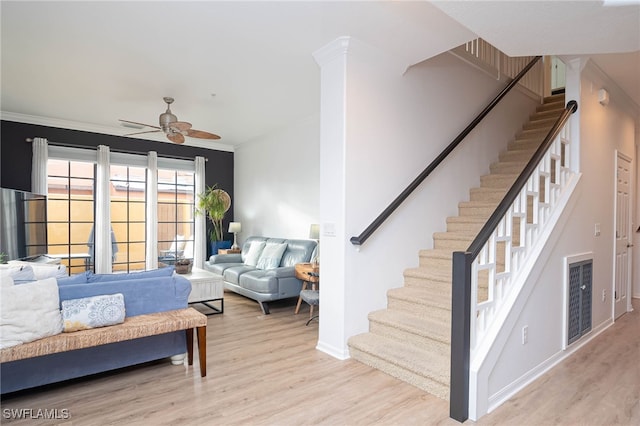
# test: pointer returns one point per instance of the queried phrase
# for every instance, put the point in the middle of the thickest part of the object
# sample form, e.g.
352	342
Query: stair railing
364	235
491	60
482	274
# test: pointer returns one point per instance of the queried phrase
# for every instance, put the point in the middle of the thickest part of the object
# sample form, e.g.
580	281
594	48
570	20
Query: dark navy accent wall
15	154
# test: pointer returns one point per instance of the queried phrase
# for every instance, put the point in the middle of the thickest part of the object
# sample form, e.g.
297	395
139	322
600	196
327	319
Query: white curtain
40	148
103	251
152	211
200	237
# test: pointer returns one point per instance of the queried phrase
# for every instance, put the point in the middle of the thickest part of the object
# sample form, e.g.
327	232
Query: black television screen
23	224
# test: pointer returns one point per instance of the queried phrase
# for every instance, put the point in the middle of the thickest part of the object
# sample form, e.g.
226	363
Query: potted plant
214	203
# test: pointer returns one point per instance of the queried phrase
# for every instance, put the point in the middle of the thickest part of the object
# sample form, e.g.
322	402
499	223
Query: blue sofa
144	292
263	285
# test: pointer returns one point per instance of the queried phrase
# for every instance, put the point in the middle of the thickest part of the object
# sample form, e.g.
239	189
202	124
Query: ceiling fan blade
180	126
176	137
139	124
202	135
140	133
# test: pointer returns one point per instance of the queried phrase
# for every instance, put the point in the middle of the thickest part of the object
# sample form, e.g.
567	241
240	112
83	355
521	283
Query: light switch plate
329	229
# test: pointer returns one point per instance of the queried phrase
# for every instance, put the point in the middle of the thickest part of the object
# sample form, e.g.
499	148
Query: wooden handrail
360	239
461	274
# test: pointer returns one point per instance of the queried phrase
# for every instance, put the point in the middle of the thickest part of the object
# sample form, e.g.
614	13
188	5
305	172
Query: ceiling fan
174	129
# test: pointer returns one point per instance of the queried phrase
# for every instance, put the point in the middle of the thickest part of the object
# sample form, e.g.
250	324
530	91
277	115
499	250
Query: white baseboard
510	390
341	354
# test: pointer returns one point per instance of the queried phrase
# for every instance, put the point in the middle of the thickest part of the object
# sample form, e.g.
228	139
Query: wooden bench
132	328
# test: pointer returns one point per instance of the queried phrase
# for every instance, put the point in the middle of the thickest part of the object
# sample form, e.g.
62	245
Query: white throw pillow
93	312
5	280
39	271
42	271
255	249
271	256
29	312
19	273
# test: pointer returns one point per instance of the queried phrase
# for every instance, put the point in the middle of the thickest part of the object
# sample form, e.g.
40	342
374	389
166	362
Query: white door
623	235
558	79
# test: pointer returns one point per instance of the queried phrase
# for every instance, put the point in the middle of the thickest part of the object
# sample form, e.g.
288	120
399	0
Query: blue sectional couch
144	292
263	281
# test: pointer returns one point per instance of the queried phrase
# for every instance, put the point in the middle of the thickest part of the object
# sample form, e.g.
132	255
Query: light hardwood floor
265	370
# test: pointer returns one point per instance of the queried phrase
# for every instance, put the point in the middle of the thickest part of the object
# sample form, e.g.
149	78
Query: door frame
628	308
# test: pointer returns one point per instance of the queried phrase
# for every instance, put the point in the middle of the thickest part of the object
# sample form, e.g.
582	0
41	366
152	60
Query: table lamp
234	228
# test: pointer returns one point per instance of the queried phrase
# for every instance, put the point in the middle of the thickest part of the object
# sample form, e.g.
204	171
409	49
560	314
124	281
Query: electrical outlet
525	334
604	295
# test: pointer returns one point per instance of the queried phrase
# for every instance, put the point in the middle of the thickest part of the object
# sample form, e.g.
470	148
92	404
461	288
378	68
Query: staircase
410	340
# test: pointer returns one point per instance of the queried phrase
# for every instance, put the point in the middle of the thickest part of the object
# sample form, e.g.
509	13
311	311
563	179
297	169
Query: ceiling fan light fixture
174	130
166	118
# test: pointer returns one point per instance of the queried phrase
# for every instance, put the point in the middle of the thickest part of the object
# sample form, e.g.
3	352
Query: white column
332	60
356	81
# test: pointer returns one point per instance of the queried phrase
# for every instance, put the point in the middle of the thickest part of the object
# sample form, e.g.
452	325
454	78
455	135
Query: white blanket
29	312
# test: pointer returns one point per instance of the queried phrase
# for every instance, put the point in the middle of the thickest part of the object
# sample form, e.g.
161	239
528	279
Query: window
72	182
128	217
70	213
176	195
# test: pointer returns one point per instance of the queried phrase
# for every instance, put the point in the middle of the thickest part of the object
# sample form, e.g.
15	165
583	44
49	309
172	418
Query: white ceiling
606	31
245	69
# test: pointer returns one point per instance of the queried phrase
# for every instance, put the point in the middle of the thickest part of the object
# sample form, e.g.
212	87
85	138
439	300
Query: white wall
602	130
388	127
277	182
636	223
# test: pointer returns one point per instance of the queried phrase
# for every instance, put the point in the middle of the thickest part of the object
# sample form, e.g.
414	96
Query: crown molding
347	46
106	130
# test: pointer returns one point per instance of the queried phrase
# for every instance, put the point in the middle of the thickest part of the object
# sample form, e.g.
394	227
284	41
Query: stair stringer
486	354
